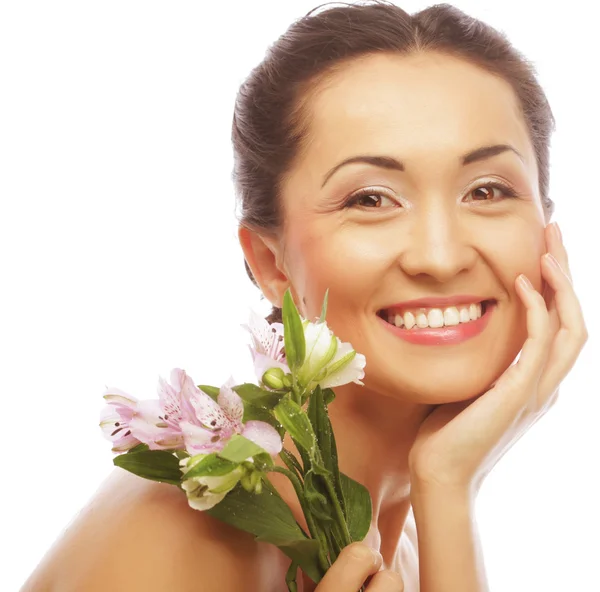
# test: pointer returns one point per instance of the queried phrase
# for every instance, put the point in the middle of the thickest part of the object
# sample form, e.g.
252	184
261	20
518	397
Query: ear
263	255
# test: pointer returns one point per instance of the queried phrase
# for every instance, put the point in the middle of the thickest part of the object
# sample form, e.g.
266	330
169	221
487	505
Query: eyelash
508	191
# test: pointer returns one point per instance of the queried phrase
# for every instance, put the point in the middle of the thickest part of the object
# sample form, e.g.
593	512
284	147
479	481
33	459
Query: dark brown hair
270	123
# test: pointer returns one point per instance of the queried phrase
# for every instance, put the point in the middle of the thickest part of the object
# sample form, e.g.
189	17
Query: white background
119	257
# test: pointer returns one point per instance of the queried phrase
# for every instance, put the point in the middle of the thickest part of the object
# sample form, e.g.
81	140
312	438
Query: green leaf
238	449
359	507
324	308
295	421
156	465
319	417
251	412
315	494
138	448
254	395
328	396
270	520
211	466
293	333
211	391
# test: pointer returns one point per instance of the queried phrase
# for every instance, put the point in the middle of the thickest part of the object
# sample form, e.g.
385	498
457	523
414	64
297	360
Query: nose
437	244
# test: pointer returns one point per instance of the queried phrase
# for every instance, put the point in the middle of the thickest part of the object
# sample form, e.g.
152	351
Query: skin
435	229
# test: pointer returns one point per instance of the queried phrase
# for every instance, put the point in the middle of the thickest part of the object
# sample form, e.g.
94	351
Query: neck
374	434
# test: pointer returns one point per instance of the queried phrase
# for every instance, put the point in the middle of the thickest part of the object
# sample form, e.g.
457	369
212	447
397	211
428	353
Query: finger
557	248
514	389
386	581
348	573
572	332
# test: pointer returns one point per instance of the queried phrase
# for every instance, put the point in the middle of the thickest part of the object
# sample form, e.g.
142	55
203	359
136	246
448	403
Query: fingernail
377	557
552	260
557	231
525	282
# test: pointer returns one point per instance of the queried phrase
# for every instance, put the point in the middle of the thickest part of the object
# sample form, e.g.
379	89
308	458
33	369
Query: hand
459	443
354	565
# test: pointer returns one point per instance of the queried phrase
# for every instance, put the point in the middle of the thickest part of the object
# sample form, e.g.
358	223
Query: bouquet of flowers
218	444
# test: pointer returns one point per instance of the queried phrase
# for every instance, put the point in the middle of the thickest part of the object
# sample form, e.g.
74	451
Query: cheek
346	263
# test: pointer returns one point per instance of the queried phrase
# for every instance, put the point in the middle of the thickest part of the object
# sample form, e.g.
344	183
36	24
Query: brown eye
367	198
486	192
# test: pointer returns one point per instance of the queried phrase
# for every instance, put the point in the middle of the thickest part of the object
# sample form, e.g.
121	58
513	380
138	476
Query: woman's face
434	229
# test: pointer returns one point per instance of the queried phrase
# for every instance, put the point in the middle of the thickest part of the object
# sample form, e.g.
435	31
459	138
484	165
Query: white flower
205	492
328	362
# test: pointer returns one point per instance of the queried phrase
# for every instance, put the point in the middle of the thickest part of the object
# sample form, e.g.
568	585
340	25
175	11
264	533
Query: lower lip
443	335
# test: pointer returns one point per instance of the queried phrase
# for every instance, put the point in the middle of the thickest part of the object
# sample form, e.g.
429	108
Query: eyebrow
387	162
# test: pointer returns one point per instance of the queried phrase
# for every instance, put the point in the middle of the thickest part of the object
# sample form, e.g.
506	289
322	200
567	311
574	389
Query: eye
369	198
506	190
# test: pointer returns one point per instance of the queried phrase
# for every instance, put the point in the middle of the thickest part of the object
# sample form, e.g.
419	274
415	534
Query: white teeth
422	320
451	316
474	311
436	317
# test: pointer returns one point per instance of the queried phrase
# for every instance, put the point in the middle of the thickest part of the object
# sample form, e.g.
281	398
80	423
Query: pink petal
198	440
187	390
208	412
231	402
148	427
263	434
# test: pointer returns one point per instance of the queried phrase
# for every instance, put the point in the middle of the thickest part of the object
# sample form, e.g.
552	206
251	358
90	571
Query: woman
385	157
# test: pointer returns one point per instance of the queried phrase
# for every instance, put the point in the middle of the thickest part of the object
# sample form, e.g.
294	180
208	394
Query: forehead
420	108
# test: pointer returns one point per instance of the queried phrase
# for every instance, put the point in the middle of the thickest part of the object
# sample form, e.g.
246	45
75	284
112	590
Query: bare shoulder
136	534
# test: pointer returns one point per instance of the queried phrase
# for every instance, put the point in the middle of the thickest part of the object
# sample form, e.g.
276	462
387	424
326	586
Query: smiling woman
401	163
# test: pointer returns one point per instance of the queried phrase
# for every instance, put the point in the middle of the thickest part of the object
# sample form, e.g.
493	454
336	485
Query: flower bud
273	378
246	483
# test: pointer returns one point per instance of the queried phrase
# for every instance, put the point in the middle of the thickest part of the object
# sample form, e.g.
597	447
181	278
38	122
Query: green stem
291	462
312	527
339	514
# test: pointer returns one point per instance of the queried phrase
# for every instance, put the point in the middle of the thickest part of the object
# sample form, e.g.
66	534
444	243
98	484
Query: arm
450	554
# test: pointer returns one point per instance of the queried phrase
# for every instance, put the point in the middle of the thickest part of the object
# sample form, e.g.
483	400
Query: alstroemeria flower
205	492
267	345
127	422
115	419
214	422
328	361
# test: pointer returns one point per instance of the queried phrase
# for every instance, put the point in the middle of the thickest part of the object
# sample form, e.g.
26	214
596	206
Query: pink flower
115	418
267	345
182	417
214	422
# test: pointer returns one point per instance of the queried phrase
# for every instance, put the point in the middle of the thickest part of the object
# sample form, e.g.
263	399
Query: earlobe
262	255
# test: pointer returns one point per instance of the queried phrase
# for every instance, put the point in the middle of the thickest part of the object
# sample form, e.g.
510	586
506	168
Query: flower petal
263	434
198	440
352	372
148	426
201	502
231	402
208	413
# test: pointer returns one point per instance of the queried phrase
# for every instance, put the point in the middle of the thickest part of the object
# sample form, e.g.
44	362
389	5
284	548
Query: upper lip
438	301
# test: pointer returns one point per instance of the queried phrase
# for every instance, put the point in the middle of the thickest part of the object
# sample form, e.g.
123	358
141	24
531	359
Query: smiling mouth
441	317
